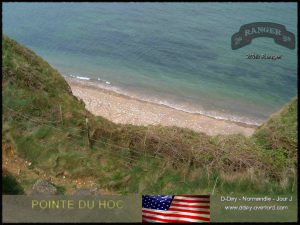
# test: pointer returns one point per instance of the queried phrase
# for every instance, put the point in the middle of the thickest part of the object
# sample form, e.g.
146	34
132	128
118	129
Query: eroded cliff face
47	129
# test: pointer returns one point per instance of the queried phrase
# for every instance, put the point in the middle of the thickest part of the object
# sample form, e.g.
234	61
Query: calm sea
177	54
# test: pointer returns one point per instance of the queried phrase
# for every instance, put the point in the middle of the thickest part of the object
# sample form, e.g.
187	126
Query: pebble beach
127	110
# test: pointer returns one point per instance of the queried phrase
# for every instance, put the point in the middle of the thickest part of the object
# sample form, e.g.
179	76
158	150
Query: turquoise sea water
177	54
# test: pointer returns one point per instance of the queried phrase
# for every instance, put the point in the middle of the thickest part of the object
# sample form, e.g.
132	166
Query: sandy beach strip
127	110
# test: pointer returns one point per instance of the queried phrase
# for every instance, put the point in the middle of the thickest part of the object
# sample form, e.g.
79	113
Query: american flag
175	208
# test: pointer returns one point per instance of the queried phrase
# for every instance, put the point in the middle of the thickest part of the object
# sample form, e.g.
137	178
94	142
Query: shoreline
124	109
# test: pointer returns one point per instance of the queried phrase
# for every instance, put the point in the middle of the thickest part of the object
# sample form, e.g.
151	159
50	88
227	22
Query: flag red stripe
193	196
190	201
175	215
170	221
191	206
191	211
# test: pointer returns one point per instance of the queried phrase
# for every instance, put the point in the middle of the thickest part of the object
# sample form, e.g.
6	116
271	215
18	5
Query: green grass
136	159
10	186
60	189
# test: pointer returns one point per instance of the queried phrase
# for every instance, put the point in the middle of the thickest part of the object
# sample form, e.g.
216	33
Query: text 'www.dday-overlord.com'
251	200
